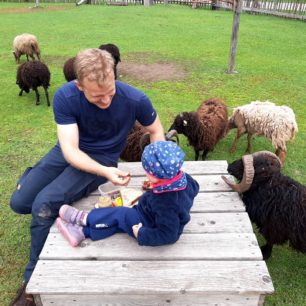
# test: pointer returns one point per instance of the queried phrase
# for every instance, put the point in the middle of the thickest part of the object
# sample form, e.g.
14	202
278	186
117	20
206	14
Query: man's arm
68	136
156	130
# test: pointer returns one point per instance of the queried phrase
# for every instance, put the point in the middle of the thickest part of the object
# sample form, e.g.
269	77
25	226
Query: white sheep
26	44
277	123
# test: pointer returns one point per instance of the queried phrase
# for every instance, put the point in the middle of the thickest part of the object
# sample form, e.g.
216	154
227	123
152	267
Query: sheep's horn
248	175
269	154
172	133
144	140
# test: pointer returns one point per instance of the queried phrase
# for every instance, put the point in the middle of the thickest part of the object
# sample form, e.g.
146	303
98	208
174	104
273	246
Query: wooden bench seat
216	261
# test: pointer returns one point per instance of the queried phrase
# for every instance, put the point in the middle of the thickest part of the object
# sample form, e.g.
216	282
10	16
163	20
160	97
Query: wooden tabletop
216	260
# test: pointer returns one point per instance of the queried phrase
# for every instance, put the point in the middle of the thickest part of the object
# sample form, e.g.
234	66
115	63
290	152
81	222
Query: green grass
271	62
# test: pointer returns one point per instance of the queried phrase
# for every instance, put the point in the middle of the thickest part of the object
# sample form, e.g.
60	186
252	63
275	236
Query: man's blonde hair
95	65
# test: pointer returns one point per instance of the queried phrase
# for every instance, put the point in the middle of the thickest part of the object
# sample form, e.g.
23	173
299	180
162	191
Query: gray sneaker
72	232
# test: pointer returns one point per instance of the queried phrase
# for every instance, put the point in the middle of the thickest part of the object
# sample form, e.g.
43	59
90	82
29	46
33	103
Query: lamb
26	44
203	128
275	203
277	123
137	139
31	75
68	68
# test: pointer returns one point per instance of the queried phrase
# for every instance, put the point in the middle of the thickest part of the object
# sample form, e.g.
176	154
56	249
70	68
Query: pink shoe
73	215
72	232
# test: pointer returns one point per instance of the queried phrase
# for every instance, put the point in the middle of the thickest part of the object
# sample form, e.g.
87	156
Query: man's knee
18	205
44	209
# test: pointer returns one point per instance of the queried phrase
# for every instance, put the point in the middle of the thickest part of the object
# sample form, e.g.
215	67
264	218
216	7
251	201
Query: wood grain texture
124	247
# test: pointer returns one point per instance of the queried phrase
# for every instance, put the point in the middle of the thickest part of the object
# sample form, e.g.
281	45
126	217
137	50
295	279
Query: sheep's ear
184	123
181	115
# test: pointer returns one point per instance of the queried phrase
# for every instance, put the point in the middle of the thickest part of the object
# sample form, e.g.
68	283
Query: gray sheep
276	123
31	75
203	128
26	44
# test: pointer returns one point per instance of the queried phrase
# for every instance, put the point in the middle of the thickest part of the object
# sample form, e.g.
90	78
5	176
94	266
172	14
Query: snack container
111	191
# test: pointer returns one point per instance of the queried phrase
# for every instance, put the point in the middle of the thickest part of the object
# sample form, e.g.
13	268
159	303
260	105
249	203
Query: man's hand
136	228
118	177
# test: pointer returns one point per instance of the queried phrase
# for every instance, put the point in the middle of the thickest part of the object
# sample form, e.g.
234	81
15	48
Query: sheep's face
180	123
236	169
264	166
22	86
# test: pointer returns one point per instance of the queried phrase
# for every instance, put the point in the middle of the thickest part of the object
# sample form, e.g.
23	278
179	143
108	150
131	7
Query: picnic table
217	260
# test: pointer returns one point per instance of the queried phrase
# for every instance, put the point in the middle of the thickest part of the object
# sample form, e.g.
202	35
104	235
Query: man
94	115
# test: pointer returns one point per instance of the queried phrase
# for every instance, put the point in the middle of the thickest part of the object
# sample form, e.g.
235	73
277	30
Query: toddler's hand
136	228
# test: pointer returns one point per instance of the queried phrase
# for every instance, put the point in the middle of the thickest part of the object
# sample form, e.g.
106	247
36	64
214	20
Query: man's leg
71	185
34	179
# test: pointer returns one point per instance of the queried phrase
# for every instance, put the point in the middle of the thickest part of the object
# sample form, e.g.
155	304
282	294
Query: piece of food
130	196
147	185
104	201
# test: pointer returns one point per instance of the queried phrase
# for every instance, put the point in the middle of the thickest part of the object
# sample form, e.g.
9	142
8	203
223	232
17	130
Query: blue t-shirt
103	131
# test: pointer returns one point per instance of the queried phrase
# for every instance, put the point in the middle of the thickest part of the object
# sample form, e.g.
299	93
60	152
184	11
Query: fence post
234	39
147	2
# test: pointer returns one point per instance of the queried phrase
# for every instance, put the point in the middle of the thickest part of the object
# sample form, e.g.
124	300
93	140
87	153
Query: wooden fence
295	9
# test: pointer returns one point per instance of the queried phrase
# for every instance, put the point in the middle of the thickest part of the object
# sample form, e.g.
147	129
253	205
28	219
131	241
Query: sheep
68	68
32	74
276	123
114	51
137	139
203	128
26	44
275	203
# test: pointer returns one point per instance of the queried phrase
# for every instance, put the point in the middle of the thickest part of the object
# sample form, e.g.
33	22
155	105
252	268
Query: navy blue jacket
164	215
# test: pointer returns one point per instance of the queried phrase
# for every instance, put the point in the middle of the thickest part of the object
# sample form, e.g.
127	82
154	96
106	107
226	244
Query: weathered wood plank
169	300
204	202
203	223
152	278
124	247
208	183
191	167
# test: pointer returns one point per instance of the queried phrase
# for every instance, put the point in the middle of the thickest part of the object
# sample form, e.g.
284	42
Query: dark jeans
43	189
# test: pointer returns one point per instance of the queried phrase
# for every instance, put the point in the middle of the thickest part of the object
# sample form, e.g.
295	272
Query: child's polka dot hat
162	159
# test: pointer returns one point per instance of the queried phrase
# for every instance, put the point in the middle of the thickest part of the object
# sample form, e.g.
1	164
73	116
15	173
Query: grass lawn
271	62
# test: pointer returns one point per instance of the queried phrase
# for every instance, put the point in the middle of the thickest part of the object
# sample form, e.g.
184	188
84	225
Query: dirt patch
148	67
152	72
26	10
55	60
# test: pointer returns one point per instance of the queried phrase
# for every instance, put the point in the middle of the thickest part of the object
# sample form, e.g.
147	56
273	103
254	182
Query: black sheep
275	203
68	67
114	51
31	75
203	128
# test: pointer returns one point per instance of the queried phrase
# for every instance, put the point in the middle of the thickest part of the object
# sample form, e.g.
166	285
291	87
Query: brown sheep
137	139
203	128
31	75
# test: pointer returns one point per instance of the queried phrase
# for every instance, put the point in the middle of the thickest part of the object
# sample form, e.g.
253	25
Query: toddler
161	213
